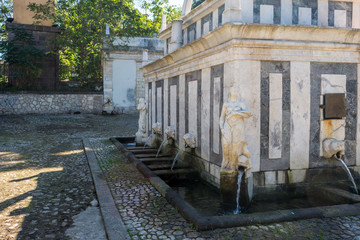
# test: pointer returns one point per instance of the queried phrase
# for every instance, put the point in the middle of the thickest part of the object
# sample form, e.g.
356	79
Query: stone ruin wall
50	103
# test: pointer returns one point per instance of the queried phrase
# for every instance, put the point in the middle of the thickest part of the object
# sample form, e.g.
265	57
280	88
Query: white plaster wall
247	11
300	115
356	15
124	83
323	13
286	12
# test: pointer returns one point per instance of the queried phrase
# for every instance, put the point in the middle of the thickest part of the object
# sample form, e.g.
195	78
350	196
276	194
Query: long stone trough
201	222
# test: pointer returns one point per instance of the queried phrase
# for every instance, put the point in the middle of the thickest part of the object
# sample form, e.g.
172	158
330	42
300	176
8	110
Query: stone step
155	160
150	155
143	151
138	148
160	166
175	171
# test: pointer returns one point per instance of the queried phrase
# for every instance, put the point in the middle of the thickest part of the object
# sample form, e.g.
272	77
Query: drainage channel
157	169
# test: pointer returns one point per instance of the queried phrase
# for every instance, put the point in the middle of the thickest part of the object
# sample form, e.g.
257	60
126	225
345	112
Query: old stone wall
50	103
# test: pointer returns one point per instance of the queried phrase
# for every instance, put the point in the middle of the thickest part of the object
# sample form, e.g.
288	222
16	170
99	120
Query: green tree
157	8
83	25
22	57
5	13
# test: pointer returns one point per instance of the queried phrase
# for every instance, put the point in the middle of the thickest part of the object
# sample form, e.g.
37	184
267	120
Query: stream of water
176	157
161	145
147	141
238	210
349	174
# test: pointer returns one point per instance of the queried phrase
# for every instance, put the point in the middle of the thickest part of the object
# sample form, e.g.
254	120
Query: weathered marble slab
268	68
317	71
347	6
217	78
276	10
193	105
205	113
301	14
275	115
173	107
207	24
266	14
300	115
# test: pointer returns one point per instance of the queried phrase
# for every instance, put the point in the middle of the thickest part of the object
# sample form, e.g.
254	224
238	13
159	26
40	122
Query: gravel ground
45	182
44	175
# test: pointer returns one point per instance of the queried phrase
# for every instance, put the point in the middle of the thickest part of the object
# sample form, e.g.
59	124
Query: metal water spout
190	142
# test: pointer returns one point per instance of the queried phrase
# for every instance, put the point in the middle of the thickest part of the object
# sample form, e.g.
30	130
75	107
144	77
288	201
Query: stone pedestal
232	13
176	35
140	138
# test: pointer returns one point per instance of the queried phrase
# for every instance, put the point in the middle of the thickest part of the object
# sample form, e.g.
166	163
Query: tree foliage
23	58
157	8
83	25
5	13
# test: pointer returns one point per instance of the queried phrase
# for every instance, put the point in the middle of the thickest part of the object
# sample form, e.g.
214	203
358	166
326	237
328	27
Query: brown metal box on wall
334	106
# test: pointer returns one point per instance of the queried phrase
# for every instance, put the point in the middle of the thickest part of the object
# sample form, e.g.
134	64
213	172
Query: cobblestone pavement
45	181
147	215
44	175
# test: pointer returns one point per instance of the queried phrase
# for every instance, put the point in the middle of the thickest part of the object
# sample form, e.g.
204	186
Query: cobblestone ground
44	181
147	215
44	176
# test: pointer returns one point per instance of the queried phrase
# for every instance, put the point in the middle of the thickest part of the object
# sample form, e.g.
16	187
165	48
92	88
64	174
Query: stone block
297	176
270	178
267	14
281	177
340	18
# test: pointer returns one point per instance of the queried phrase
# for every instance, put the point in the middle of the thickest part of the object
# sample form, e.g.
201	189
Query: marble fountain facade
285	57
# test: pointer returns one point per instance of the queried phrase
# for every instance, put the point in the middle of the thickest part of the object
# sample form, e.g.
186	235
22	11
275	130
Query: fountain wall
284	61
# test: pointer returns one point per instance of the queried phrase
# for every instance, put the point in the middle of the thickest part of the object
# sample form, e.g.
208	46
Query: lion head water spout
170	134
190	142
335	148
156	130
